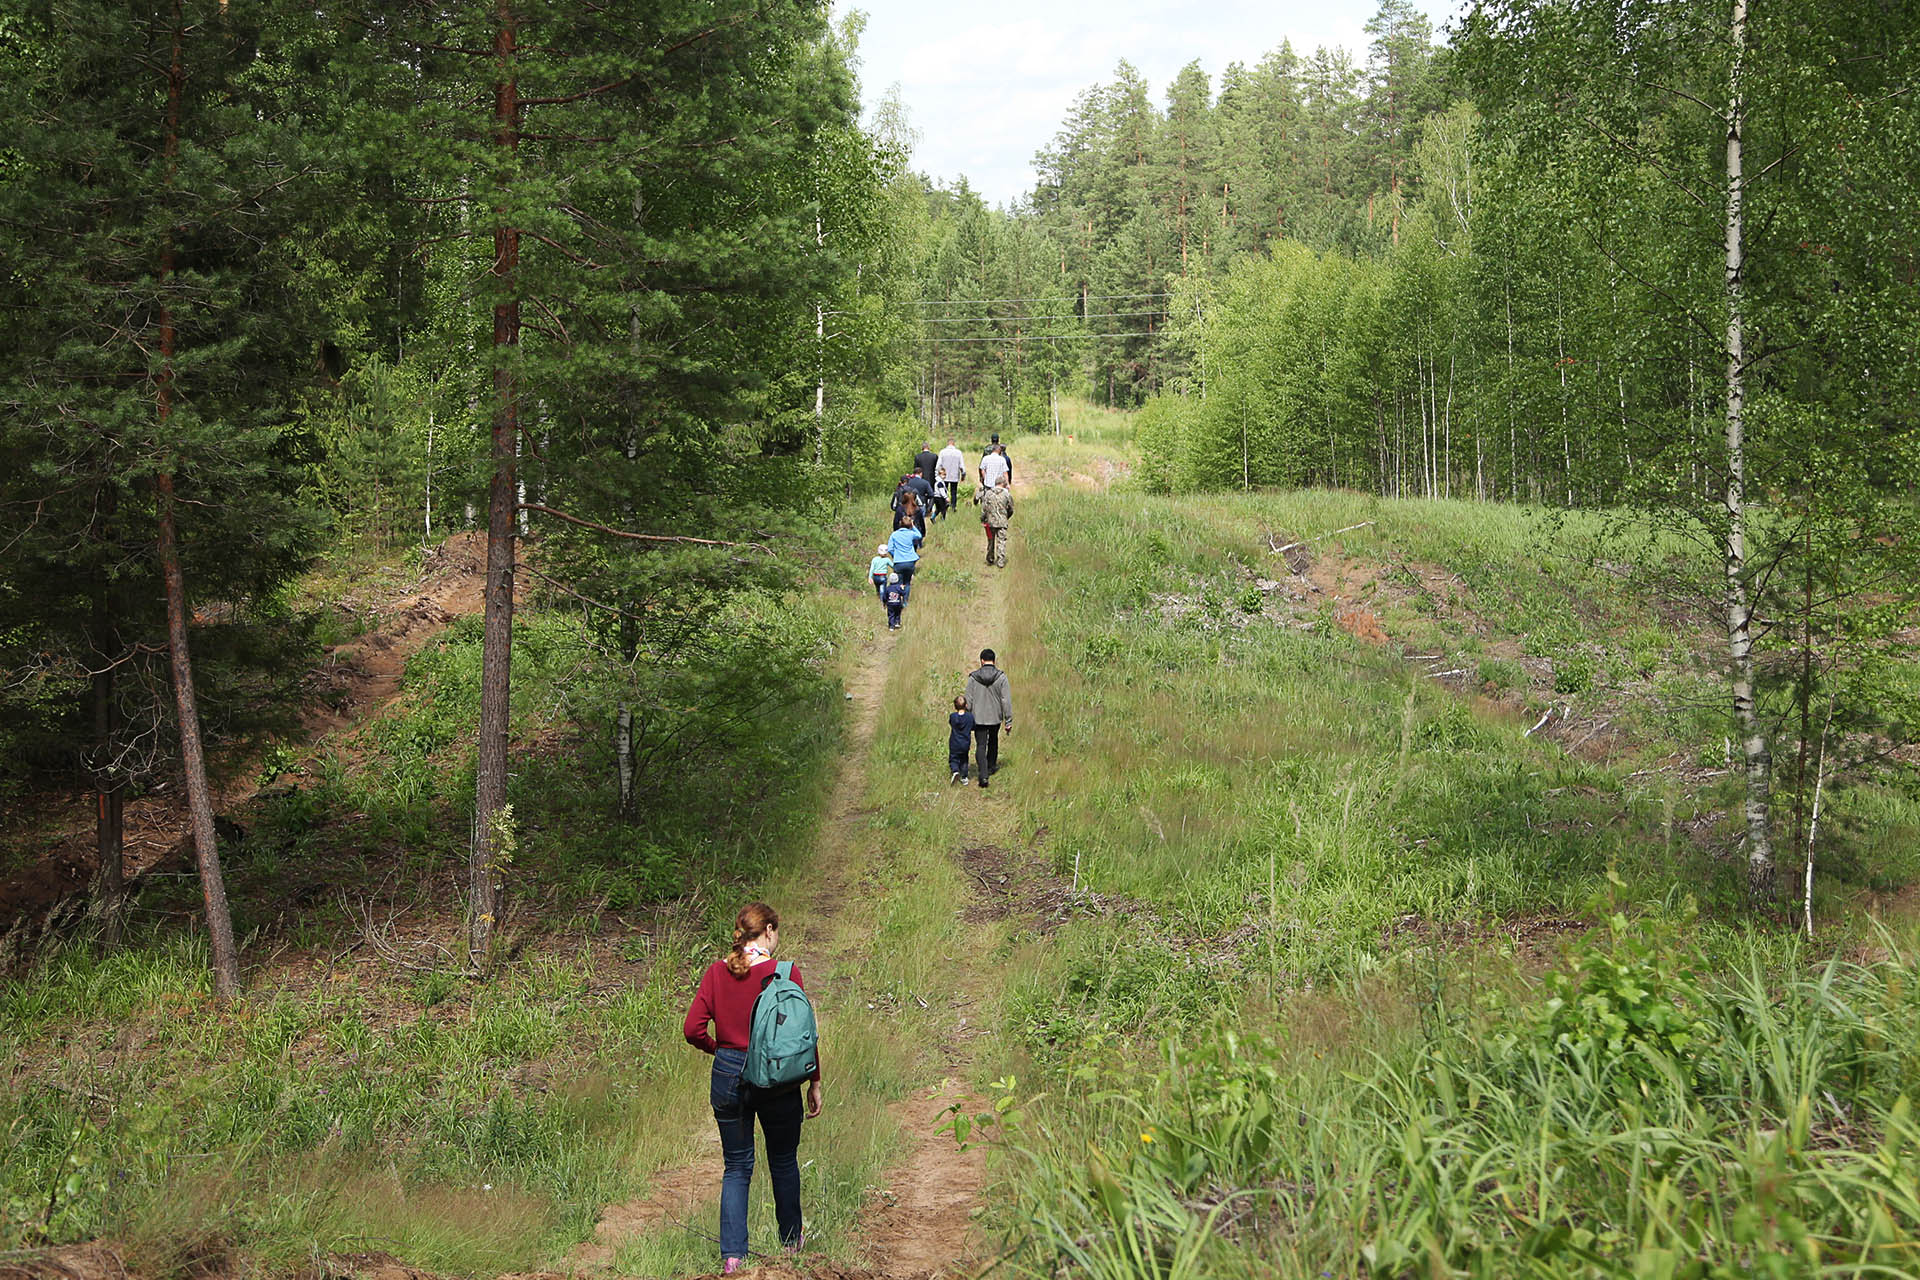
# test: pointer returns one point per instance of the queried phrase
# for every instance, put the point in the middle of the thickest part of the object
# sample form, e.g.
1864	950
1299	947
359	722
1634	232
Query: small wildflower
1147	1136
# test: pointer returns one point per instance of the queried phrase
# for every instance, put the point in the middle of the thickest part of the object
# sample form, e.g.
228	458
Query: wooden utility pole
496	645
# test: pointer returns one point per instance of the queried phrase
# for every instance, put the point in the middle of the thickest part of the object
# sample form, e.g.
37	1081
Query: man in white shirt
948	471
993	466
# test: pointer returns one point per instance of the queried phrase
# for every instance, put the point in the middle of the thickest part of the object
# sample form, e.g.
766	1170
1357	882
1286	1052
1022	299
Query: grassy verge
1316	1014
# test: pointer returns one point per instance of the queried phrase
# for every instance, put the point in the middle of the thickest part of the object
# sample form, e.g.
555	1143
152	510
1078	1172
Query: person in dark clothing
912	513
990	699
894	596
925	461
959	740
922	490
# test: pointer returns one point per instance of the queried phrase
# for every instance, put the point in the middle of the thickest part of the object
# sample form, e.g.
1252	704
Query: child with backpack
765	1048
894	596
959	739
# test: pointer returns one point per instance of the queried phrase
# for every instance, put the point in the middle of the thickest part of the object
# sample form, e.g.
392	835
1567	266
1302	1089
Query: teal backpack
783	1046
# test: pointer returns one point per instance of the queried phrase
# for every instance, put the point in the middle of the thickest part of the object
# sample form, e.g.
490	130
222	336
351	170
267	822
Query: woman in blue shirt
903	545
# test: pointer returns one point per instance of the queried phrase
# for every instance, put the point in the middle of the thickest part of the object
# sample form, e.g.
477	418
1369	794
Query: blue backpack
783	1045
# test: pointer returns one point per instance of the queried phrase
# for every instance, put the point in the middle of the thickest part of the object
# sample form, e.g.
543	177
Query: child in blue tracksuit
894	596
877	571
959	738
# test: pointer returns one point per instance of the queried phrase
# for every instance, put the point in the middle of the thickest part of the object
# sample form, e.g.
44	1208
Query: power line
1045	337
970	302
1098	315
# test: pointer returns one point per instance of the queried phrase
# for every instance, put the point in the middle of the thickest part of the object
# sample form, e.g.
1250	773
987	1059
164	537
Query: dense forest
289	284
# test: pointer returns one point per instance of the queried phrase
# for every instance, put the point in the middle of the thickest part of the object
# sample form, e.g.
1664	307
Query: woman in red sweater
725	1000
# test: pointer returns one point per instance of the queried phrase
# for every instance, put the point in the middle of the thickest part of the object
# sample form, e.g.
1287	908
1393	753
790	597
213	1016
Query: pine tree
650	252
161	333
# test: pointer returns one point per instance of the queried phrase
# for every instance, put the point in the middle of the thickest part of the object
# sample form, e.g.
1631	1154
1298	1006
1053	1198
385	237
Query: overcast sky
988	82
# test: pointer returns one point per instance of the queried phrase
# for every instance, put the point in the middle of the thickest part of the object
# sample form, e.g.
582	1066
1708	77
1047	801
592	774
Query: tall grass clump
1640	1117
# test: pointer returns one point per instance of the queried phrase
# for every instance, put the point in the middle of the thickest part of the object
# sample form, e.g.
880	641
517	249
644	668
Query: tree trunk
623	755
1756	759
109	880
106	768
1513	418
496	646
193	760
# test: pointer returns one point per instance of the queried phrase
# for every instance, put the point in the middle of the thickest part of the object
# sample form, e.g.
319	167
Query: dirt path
919	1221
679	1193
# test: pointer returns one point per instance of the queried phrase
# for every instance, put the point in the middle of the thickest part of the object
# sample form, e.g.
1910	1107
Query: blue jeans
734	1107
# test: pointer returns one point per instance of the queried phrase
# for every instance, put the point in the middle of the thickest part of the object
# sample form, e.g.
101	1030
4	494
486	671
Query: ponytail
753	922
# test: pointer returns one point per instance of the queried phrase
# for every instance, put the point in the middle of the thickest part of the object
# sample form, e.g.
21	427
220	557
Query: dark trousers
986	750
957	761
893	614
879	586
781	1114
905	570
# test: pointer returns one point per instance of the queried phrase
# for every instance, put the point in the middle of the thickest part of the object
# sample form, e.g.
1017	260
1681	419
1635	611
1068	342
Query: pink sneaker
799	1243
731	1265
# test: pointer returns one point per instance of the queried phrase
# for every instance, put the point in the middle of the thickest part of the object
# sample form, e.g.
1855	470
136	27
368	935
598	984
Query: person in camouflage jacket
996	513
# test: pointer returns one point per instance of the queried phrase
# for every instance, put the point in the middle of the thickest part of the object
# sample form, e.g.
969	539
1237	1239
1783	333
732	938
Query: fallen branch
1542	720
1438	675
1322	538
1597	728
638	537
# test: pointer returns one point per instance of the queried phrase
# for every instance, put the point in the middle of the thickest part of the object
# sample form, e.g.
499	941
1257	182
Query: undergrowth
367	1093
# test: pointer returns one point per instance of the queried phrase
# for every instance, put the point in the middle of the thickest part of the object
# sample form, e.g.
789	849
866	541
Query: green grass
1293	1037
1198	763
1635	1119
279	1111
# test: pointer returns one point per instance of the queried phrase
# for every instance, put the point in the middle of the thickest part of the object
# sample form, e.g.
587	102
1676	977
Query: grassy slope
1316	862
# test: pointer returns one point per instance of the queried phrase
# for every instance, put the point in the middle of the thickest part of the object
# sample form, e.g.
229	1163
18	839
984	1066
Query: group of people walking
928	494
734	1015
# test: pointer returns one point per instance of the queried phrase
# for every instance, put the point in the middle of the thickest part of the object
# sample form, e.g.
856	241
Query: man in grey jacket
990	700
